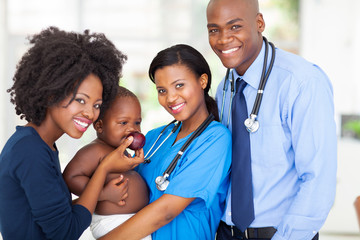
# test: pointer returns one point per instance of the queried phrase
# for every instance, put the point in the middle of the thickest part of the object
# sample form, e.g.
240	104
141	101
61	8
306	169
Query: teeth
177	107
83	124
229	51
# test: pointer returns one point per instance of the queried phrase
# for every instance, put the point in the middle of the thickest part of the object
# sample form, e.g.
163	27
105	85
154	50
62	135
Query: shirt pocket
271	146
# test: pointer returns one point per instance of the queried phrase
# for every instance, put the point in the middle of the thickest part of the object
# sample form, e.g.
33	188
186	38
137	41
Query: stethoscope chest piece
251	124
162	182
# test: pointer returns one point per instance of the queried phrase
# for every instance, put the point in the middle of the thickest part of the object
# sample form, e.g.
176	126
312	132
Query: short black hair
54	67
122	92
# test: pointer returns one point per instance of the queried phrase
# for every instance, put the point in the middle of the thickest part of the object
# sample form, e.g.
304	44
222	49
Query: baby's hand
116	190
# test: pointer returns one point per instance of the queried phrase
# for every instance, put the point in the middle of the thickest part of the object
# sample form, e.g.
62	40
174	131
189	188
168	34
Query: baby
115	204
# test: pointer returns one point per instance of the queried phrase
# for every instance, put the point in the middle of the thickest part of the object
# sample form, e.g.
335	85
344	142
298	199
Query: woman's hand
118	161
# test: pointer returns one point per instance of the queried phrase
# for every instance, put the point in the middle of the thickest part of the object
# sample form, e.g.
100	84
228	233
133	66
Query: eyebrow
177	81
228	23
173	83
234	21
84	94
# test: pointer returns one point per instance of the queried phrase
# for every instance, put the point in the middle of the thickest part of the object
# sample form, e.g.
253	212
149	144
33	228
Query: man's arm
313	131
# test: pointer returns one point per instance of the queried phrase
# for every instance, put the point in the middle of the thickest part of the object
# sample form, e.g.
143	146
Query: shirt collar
253	73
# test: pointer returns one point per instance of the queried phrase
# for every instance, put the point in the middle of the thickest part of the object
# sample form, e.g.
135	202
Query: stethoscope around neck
162	181
251	123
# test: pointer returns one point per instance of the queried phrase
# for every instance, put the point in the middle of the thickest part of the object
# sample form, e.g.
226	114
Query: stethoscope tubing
264	77
147	160
162	181
197	132
224	91
260	91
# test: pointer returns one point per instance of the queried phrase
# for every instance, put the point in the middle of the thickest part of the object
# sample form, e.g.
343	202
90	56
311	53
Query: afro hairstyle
54	67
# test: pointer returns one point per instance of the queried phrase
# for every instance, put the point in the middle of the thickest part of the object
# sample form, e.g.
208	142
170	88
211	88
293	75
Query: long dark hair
191	58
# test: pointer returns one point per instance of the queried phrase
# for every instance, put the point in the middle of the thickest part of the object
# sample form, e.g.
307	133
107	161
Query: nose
225	37
171	97
132	127
89	112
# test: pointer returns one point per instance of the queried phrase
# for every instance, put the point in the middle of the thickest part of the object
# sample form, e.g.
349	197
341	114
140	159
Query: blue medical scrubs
202	173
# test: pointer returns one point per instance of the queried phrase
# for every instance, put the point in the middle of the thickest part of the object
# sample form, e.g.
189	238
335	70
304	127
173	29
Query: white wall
2	67
330	37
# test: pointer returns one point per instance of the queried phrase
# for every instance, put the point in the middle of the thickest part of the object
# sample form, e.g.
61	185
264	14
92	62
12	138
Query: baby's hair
122	92
54	67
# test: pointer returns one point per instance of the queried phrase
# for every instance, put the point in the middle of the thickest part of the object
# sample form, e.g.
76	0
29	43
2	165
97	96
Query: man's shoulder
299	68
291	61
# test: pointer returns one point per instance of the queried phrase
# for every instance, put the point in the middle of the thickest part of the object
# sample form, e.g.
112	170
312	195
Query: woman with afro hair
60	85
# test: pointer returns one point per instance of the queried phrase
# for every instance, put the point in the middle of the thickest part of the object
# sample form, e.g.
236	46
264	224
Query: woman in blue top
193	203
59	86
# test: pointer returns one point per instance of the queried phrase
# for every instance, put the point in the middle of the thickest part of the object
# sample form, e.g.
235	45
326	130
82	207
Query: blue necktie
242	205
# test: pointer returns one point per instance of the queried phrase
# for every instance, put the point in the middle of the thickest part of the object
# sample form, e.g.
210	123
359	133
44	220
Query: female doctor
188	161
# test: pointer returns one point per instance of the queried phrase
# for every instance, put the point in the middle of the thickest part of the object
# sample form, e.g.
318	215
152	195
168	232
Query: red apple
138	142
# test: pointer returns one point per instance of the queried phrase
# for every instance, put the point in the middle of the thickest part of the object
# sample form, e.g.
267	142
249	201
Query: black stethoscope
162	181
251	123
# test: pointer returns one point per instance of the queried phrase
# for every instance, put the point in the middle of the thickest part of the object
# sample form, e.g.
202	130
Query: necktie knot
240	85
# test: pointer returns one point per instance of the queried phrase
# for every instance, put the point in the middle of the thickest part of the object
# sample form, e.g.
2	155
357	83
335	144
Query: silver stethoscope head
162	182
251	124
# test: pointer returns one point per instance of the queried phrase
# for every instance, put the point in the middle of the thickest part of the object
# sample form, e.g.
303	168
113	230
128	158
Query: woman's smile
177	108
82	123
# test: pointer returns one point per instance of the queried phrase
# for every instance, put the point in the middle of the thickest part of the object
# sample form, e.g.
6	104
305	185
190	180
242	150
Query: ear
99	126
260	22
204	80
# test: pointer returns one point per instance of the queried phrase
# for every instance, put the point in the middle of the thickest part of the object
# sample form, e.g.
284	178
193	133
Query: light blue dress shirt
294	152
